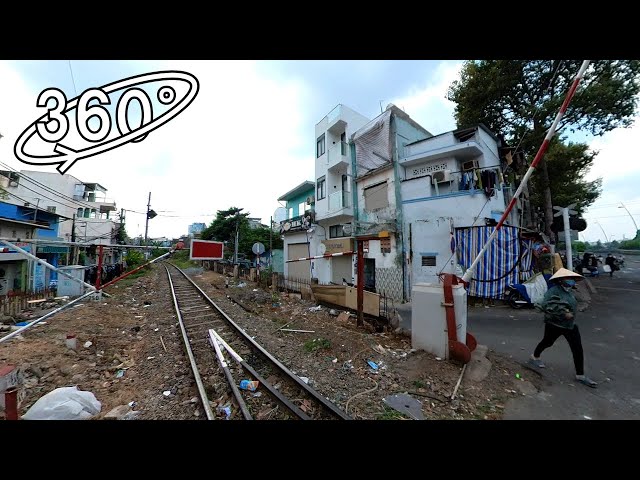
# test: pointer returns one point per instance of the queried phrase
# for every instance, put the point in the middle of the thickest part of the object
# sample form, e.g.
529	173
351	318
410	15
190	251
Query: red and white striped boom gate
327	255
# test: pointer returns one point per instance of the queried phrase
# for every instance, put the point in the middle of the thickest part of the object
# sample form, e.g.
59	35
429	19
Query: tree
260	234
567	165
223	228
519	99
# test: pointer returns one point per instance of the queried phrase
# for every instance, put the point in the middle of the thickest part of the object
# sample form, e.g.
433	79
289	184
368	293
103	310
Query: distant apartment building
68	197
195	229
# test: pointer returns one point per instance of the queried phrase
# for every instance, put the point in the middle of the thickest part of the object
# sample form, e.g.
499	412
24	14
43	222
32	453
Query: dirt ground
136	360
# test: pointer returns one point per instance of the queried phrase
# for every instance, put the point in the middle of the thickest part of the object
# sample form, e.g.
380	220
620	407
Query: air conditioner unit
469	165
311	200
441	176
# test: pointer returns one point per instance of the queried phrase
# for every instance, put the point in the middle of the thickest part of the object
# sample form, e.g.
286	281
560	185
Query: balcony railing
338	155
339	200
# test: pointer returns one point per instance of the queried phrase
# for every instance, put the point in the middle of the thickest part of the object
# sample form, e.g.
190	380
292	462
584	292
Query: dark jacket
555	304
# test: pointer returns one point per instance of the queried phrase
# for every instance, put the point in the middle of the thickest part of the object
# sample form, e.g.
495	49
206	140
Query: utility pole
235	254
35	215
74	248
270	242
146	226
632	219
565	211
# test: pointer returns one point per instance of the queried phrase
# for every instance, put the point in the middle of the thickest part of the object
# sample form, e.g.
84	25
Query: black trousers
552	333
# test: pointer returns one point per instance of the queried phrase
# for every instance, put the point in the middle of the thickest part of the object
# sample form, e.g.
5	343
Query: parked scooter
517	295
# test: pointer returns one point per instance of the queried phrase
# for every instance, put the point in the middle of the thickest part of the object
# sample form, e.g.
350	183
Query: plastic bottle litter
252	386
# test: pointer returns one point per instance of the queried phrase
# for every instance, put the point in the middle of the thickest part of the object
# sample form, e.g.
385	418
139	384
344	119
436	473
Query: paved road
610	330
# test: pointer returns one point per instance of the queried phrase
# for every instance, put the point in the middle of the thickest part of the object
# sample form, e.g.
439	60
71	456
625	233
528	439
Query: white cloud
232	146
426	103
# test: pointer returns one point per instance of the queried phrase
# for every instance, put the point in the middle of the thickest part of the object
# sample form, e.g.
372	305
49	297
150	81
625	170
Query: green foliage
568	164
180	259
578	246
134	258
223	229
390	414
316	344
631	244
519	99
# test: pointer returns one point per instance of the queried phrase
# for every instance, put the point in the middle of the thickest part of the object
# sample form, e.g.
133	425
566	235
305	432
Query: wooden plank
37	301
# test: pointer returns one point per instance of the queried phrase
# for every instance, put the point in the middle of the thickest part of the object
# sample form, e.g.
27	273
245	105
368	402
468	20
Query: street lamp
632	219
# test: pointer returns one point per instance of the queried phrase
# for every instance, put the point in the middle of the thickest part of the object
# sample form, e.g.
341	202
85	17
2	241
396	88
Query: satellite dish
322	248
280	214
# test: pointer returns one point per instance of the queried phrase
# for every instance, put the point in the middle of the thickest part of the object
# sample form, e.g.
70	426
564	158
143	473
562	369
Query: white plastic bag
536	287
66	403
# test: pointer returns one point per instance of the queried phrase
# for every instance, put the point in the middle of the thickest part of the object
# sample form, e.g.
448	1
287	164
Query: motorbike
518	297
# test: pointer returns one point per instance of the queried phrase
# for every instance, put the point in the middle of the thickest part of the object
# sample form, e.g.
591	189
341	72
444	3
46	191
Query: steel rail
213	335
192	361
292	376
231	380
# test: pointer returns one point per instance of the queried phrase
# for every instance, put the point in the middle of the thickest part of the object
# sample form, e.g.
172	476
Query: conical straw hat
565	273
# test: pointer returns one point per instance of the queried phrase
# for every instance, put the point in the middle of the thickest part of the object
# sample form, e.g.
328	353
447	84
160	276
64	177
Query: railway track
222	353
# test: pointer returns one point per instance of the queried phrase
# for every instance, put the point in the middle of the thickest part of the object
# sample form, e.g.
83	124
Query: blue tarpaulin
499	266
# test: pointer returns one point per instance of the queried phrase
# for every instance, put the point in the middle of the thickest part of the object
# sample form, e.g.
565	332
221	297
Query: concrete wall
294	203
431	213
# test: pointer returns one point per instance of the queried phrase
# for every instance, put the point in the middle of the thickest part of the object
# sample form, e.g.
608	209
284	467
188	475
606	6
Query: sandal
536	363
587	381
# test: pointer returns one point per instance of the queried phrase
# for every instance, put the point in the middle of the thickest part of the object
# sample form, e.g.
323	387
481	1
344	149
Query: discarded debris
249	385
87	344
225	411
166	393
317	308
150	358
120	374
380	349
297	331
162	341
438	358
305	379
66	403
406	404
333	312
343	317
372	364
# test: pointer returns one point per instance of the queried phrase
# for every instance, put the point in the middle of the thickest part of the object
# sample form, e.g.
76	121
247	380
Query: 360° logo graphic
54	126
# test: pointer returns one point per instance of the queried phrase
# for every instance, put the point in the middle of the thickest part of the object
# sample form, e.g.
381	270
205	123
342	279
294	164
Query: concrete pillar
252	274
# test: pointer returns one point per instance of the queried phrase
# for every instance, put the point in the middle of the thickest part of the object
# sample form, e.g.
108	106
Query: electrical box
66	286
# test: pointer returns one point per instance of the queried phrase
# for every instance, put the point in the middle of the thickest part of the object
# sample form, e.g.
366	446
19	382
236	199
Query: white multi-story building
334	198
86	201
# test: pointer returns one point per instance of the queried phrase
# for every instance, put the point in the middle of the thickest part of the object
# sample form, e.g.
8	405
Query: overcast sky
248	137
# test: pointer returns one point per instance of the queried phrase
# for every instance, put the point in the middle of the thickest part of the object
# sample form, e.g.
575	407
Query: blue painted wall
295	202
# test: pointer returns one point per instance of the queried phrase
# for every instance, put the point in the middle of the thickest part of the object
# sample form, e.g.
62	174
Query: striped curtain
526	263
496	268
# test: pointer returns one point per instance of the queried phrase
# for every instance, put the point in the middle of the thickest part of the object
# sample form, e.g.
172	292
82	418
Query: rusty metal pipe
11	403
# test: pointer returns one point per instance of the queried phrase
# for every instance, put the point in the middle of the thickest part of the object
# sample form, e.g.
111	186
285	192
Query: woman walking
559	306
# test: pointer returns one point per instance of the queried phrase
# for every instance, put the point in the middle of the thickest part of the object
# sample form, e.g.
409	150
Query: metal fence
11	305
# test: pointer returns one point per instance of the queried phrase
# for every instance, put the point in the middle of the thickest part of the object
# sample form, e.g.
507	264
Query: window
429	261
320	146
376	197
301	208
337	231
51	209
322	188
290	213
385	245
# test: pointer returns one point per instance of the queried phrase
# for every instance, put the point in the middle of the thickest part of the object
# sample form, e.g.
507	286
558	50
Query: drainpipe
354	186
400	249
